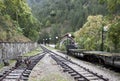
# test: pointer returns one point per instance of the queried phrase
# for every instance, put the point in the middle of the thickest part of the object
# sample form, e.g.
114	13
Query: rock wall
12	50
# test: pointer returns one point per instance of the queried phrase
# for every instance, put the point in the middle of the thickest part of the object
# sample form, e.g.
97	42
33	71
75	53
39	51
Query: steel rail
74	69
26	70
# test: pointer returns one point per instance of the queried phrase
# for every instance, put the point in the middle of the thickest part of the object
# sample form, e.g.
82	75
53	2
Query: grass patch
10	62
34	52
51	48
1	65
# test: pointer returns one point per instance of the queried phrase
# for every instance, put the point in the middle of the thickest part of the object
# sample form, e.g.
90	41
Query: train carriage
101	57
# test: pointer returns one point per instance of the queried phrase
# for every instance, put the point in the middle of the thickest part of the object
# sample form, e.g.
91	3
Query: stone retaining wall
12	50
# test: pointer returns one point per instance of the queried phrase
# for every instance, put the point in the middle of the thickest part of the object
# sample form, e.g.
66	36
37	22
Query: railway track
22	72
79	73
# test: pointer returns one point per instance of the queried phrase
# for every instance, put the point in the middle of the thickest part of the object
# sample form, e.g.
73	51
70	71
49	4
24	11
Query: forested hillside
62	16
95	22
17	22
101	32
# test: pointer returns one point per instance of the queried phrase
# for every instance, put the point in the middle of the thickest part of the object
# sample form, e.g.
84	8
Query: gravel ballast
48	70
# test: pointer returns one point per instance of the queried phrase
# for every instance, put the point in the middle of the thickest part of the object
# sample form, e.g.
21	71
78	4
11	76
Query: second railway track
22	72
79	72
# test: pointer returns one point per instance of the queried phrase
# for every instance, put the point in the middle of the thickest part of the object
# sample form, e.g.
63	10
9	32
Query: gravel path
48	70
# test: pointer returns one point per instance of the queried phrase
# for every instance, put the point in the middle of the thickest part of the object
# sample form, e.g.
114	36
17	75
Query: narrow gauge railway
22	71
79	73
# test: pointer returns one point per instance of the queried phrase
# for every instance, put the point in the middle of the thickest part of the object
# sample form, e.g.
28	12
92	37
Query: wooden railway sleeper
73	74
81	79
23	76
63	63
65	67
105	79
70	71
70	68
92	77
77	77
66	70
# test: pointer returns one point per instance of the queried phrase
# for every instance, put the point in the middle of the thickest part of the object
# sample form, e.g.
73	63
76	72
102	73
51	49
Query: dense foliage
19	14
65	15
90	35
114	35
87	18
112	5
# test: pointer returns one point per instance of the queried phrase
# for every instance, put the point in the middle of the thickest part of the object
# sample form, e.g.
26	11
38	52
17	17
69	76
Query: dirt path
48	70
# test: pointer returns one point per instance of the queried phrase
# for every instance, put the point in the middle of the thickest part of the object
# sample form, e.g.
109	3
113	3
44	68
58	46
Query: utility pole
102	41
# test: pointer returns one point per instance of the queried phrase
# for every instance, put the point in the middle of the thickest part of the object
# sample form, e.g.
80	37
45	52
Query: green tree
89	36
114	35
70	15
2	7
112	5
20	12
